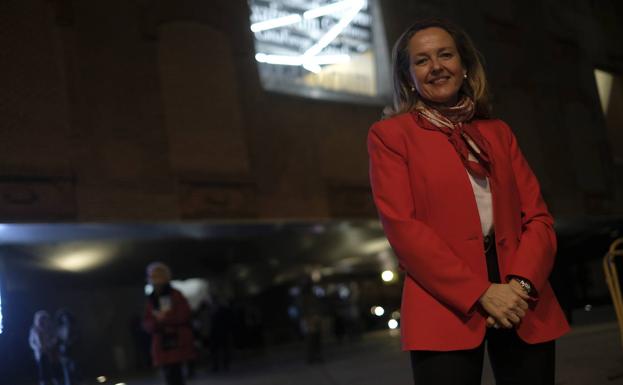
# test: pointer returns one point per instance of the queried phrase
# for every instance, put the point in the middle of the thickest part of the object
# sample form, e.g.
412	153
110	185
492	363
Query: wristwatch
524	284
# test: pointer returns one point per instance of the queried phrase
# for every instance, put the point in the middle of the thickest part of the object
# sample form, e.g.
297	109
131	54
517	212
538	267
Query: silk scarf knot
455	122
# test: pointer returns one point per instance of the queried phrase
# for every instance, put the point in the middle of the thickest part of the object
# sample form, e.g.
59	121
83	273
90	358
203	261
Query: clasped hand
506	304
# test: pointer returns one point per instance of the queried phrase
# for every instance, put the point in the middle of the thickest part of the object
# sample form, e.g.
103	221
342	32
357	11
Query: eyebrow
426	54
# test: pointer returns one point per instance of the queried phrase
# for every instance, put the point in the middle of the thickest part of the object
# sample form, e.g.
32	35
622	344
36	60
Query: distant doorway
610	89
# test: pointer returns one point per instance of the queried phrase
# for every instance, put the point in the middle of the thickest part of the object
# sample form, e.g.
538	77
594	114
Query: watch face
525	285
321	49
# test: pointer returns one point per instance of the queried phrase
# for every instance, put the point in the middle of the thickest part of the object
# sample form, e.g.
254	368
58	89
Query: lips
439	80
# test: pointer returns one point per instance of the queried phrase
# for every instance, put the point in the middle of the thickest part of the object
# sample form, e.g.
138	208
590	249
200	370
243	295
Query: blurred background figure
312	330
43	341
314	311
168	319
221	333
66	339
201	330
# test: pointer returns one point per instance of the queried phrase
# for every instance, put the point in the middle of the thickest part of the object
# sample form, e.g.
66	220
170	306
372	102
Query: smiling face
435	66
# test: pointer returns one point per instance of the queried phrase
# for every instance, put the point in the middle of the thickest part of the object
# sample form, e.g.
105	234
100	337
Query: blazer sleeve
534	257
420	251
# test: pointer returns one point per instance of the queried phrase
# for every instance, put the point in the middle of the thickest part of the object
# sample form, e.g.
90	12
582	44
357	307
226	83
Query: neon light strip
300	60
276	23
309	60
296	18
336	29
279	59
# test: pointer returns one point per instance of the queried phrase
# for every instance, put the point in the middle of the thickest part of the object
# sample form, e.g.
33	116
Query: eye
420	61
446	55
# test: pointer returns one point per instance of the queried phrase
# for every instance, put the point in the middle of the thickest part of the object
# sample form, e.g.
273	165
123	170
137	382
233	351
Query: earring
465	75
412	89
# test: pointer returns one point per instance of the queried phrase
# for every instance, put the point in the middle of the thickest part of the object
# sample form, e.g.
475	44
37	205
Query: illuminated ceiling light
279	59
325	40
312	62
309	60
378	311
328	9
392	324
276	23
387	276
101	379
78	261
396	314
120	383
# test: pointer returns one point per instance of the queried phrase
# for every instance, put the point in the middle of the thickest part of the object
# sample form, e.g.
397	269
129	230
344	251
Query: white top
482	193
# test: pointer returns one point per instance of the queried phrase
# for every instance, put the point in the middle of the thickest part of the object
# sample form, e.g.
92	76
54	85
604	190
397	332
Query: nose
435	65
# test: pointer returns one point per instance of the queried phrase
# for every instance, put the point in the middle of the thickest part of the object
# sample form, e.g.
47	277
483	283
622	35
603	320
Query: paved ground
590	355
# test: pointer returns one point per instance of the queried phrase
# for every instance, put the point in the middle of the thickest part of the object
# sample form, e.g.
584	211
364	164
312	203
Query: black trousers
173	374
513	361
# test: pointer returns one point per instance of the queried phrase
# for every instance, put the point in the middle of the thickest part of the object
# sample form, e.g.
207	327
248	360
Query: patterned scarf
456	123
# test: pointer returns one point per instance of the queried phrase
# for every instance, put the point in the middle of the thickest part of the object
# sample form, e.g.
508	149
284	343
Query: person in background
167	318
66	339
464	214
221	334
42	340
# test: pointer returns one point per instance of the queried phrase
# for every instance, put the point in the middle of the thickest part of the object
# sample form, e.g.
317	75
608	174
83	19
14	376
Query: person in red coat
465	217
167	318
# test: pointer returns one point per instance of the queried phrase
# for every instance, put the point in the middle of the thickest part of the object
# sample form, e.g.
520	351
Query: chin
439	100
440	97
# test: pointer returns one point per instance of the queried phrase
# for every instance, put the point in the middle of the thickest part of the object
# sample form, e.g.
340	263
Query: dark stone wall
153	110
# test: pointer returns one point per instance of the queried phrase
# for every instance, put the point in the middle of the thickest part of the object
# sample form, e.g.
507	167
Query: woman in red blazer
464	214
167	318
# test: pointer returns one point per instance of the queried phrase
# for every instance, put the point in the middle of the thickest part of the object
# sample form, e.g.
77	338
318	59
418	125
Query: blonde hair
475	86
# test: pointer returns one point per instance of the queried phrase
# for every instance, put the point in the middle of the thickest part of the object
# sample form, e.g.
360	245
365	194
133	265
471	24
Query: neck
440	105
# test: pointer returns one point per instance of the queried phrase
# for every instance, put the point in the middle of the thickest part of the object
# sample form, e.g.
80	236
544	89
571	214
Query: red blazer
429	215
172	338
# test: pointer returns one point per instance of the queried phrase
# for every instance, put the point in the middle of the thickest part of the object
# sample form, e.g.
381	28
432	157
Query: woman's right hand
506	305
